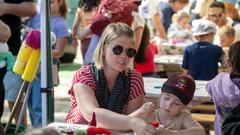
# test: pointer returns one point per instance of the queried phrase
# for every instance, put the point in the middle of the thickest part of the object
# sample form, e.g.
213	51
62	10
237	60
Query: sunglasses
215	15
118	49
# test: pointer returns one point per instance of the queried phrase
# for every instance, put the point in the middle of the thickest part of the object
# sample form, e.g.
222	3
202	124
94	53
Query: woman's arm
22	9
75	27
5	32
88	104
159	26
58	51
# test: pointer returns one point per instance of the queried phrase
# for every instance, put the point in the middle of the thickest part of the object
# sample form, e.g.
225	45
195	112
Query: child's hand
146	108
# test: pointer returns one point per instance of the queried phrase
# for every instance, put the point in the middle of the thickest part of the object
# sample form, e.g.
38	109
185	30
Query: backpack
110	11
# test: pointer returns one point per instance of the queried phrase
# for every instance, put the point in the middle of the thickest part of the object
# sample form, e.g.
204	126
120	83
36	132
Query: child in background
227	37
180	29
60	28
83	18
177	93
225	88
201	58
144	59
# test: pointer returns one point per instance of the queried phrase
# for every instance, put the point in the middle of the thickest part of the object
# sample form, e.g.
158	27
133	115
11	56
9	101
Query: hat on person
180	85
202	27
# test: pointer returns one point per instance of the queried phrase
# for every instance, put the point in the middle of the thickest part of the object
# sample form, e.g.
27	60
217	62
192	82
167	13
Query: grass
67	70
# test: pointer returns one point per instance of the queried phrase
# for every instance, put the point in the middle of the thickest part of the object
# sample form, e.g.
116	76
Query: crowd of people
117	41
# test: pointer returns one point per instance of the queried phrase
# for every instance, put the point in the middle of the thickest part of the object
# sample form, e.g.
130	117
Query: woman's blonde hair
111	32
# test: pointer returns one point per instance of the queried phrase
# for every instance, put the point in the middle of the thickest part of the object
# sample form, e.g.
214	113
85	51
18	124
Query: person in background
232	12
199	9
225	87
109	11
177	93
60	28
217	14
11	12
144	59
227	37
231	124
4	36
83	18
162	12
180	29
108	87
201	58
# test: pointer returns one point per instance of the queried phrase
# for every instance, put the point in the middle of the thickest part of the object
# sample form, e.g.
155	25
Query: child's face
184	23
170	104
226	41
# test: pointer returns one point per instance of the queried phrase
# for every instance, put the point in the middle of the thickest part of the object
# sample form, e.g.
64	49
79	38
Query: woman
108	87
83	18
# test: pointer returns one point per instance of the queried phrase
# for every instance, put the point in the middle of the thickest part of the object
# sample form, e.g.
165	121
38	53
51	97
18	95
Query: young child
225	88
201	58
144	59
227	37
177	93
180	29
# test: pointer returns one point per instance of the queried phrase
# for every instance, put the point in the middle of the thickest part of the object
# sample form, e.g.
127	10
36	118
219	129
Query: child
227	37
225	88
144	59
177	93
180	29
201	58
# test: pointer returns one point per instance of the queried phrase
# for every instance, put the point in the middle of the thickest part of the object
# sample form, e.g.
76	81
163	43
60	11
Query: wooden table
153	87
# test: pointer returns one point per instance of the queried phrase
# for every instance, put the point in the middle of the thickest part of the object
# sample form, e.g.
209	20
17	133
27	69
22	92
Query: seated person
224	88
177	93
108	87
201	59
227	37
180	29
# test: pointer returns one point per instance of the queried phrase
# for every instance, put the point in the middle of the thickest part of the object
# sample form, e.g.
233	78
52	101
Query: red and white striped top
84	76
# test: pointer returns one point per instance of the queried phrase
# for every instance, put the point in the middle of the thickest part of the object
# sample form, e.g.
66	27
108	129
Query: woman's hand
145	109
140	127
75	43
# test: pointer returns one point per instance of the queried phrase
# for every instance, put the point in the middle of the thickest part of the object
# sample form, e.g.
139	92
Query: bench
203	118
205	108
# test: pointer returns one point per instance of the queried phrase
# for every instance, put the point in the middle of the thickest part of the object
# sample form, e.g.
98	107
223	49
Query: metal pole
46	63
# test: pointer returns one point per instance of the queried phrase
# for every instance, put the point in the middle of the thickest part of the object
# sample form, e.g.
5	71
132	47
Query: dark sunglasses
215	15
118	49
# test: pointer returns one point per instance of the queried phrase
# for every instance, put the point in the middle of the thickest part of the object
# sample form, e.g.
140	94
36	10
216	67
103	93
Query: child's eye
166	98
177	103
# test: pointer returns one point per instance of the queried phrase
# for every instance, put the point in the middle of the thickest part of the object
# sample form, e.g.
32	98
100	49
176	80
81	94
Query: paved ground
61	97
